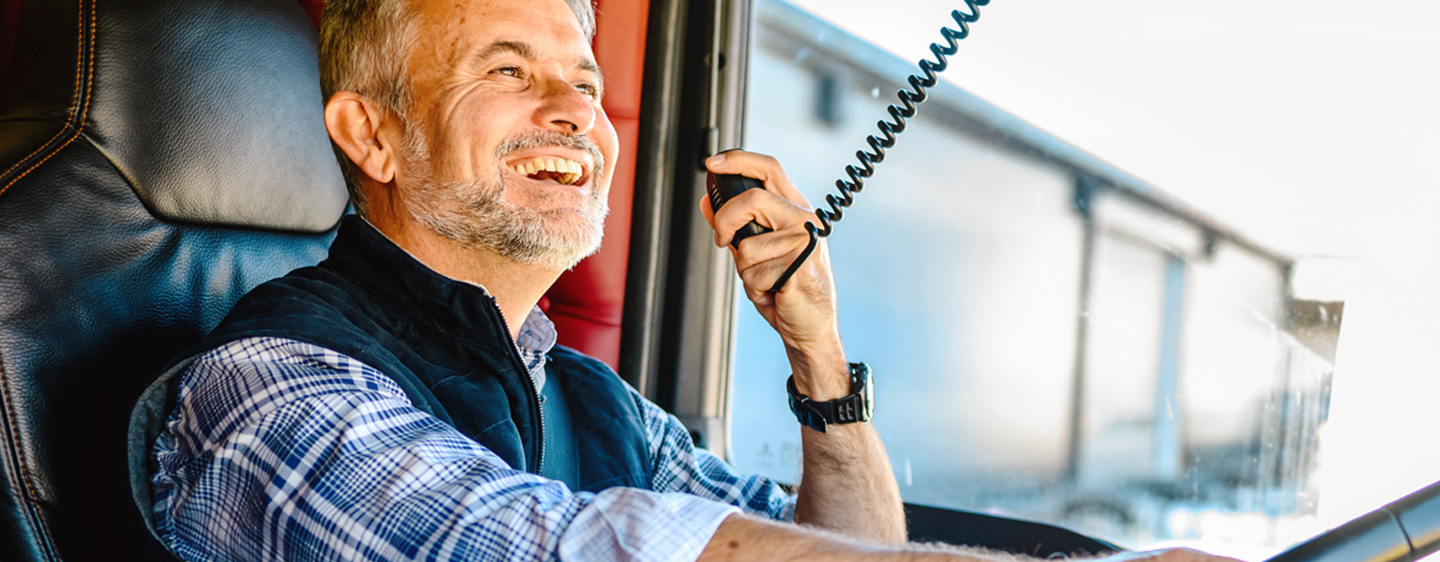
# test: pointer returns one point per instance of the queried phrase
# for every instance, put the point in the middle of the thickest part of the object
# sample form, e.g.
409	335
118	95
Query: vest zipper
532	393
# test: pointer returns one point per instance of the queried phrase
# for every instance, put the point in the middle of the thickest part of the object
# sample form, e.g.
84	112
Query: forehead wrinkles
478	34
456	24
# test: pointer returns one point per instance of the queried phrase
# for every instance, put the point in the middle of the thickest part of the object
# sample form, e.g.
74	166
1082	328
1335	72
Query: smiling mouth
560	170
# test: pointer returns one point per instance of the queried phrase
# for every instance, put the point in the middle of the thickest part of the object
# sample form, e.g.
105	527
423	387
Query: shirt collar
537	337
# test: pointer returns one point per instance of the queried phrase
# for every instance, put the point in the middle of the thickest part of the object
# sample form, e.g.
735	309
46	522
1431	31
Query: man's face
507	146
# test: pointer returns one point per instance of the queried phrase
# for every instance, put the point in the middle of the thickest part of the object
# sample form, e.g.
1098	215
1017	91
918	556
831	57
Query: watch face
867	392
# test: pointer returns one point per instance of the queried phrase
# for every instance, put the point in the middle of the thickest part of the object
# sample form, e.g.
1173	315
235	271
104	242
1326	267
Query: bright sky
1313	126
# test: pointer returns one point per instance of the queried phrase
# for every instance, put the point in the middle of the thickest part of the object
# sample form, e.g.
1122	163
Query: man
403	399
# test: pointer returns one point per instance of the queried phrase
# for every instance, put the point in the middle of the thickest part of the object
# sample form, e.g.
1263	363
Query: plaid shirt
279	449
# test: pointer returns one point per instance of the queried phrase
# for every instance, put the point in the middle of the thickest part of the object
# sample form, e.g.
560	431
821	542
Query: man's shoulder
312	293
312	284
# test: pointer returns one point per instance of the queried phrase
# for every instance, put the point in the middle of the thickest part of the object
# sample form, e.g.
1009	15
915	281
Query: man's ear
355	124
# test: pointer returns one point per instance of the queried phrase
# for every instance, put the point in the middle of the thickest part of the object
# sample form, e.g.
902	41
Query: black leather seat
158	158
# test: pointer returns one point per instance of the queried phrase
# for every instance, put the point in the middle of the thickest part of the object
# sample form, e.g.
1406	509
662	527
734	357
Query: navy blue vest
445	343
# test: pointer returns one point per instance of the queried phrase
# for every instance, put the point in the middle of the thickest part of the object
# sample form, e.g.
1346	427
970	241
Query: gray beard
474	213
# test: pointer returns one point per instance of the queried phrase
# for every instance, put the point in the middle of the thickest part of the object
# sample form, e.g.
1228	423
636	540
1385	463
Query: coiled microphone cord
909	103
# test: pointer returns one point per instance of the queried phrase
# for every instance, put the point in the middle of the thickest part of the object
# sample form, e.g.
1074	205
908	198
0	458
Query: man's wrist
819	367
834	384
819	415
821	376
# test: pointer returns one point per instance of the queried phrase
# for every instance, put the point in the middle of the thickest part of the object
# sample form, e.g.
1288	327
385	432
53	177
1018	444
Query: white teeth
569	170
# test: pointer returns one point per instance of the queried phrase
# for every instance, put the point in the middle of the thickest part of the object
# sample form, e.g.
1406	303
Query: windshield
1157	272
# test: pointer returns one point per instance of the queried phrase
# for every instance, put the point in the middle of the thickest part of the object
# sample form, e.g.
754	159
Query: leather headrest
211	122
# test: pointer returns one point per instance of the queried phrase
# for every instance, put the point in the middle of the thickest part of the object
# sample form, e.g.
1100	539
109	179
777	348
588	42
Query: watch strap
853	408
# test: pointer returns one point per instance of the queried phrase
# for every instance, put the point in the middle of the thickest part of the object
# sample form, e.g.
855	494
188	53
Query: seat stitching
34	510
19	450
79	44
70	119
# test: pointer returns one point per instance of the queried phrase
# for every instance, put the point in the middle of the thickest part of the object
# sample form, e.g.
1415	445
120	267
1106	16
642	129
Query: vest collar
364	254
367	257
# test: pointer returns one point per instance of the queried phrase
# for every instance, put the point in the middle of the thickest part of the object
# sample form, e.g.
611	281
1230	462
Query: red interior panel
313	7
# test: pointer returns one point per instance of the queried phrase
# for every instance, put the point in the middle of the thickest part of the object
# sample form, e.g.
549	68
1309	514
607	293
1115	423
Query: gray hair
364	48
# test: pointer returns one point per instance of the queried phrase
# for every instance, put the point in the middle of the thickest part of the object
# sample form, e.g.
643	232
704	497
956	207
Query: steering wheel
1404	530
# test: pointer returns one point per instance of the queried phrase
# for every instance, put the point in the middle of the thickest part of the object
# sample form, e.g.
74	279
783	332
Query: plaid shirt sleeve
681	467
281	450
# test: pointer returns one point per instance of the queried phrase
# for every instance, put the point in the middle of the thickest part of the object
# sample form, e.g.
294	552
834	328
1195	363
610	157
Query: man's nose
565	109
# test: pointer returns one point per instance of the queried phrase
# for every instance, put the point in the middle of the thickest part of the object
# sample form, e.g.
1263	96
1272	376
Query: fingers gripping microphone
724	187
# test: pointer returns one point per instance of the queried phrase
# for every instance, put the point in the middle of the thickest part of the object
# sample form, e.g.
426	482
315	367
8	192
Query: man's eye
508	71
588	90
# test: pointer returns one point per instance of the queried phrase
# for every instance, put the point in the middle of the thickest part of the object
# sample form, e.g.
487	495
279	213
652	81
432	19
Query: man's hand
804	311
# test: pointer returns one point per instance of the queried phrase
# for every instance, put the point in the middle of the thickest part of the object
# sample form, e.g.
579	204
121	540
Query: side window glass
1047	342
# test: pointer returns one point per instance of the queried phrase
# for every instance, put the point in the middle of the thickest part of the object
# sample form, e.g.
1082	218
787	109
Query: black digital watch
855	408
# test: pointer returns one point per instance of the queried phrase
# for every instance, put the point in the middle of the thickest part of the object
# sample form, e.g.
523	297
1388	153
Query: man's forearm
847	485
744	538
